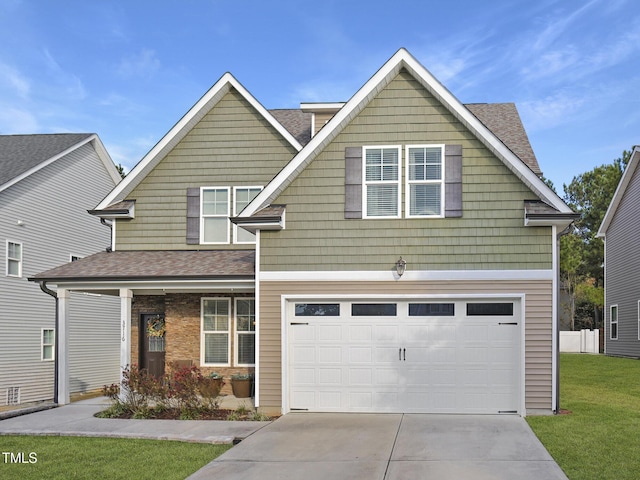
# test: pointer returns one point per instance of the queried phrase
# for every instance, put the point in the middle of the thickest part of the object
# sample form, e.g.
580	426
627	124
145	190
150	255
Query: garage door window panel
432	310
490	309
317	310
374	309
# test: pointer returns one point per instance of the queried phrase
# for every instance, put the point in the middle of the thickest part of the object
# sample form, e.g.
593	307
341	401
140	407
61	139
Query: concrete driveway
387	446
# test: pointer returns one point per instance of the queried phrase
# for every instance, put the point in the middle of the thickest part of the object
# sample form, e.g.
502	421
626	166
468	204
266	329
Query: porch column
63	346
126	296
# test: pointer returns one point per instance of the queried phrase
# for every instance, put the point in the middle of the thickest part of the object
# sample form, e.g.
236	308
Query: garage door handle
404	354
400	354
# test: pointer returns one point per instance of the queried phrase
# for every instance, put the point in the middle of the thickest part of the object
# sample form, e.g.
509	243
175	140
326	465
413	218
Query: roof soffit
183	127
403	59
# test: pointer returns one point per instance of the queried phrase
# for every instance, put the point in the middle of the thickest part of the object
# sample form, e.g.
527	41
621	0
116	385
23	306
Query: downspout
556	327
109	224
48	291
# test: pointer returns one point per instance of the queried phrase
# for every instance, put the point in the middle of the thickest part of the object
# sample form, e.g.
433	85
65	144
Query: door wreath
156	327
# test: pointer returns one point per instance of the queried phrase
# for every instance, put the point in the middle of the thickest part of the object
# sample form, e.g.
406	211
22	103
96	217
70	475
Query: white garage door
411	356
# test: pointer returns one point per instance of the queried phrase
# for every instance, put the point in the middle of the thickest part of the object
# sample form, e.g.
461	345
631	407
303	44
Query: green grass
112	458
600	439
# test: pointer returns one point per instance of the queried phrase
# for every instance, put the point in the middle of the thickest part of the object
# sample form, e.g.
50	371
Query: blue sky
129	70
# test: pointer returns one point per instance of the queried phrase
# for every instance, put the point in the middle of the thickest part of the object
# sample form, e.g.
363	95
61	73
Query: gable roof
23	155
620	190
183	127
403	60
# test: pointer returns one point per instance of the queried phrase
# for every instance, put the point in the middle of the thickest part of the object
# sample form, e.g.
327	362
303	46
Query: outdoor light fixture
401	266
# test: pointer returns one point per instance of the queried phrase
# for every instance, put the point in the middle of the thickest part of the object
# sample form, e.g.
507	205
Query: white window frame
236	212
43	344
204	332
409	182
239	333
203	216
13	259
611	322
366	183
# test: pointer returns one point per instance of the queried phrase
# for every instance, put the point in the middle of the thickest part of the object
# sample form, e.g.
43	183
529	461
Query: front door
152	343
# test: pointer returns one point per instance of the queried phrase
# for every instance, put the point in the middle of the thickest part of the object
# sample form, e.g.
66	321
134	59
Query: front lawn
38	457
600	438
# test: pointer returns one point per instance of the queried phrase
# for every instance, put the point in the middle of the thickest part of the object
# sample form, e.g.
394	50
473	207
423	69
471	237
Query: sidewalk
77	419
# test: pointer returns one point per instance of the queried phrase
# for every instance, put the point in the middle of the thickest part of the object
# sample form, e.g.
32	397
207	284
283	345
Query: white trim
167	286
226	216
408	182
403	59
285	299
256	382
52	345
619	193
321	106
411	275
236	332
7	259
184	126
202	332
366	183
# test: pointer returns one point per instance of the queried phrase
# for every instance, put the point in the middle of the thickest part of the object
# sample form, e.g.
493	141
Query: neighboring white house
47	183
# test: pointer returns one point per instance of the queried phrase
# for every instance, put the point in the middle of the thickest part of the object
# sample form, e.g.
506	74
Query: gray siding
623	272
52	203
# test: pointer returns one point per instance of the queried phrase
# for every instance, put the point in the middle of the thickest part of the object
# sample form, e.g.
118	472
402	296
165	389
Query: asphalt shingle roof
297	123
21	153
156	265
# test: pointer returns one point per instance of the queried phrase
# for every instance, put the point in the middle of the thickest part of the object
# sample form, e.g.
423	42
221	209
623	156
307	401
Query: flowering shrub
144	395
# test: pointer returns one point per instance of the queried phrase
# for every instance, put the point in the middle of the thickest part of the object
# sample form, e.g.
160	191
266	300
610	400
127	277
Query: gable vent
13	396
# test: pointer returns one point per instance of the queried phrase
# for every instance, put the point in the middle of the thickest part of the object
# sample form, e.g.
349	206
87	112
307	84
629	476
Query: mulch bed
174	414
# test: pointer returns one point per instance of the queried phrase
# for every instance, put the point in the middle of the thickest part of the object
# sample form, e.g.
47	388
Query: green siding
231	146
490	235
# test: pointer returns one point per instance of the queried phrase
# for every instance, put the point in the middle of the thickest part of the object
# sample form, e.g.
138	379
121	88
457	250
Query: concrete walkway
322	446
76	419
388	447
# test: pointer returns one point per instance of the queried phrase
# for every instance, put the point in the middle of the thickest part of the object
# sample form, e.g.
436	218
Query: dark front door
152	343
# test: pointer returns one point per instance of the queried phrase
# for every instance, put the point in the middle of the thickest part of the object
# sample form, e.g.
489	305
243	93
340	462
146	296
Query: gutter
48	291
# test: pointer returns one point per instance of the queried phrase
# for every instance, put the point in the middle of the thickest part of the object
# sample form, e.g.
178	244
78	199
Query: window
374	309
489	309
14	259
245	331
431	309
242	196
613	331
48	344
317	309
214	346
382	181
425	189
215	215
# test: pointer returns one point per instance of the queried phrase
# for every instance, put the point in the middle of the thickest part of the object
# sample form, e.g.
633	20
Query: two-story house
620	229
394	253
47	182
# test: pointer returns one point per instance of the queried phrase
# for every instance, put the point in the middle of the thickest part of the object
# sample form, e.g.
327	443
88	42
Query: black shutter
353	182
453	181
193	216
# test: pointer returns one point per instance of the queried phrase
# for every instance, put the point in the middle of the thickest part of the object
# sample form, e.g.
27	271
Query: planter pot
210	387
241	388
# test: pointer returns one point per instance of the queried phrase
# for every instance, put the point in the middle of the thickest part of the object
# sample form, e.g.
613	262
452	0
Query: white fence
584	341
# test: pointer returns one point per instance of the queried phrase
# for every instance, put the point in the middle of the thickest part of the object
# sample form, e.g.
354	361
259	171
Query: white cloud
14	81
550	111
142	64
66	83
15	121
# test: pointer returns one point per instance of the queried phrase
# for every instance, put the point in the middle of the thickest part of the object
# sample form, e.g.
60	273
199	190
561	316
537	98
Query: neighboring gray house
620	230
47	183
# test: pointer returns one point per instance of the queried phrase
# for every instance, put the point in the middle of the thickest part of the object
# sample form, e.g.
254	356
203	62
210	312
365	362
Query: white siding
52	205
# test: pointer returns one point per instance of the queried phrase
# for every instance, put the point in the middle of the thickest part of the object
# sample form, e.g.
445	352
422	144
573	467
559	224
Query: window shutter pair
452	181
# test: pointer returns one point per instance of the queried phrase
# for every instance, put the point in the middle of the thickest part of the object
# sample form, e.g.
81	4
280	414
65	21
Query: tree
121	171
582	254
